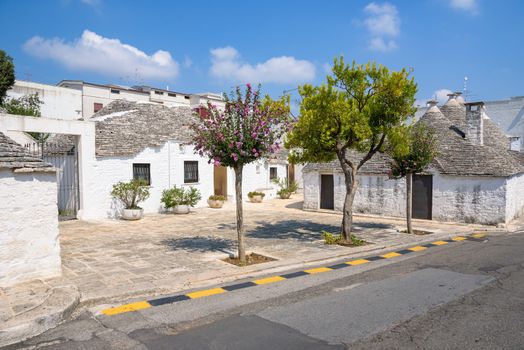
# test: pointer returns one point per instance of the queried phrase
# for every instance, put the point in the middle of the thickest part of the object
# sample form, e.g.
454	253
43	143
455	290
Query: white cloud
465	5
227	64
187	62
441	96
110	57
91	2
383	24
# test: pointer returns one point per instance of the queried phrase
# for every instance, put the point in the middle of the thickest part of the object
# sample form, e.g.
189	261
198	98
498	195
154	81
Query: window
97	106
190	171
158	92
258	169
142	172
273	173
115	91
171	94
186	97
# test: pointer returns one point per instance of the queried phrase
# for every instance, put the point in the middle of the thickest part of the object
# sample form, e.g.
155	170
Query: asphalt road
466	295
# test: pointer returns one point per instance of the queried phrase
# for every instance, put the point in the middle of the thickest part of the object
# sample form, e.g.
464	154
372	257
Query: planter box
132	214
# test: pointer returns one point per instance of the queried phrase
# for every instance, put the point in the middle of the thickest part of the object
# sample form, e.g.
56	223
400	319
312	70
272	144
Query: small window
190	171
258	169
97	106
186	97
115	91
171	94
272	173
142	172
158	92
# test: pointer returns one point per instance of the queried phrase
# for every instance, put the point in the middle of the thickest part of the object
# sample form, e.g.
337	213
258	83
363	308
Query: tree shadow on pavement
200	244
307	230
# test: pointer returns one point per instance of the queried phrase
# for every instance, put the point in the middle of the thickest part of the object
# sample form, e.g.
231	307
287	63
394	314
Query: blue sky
214	45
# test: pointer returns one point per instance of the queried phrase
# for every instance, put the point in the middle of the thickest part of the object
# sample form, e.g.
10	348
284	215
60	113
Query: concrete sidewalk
111	261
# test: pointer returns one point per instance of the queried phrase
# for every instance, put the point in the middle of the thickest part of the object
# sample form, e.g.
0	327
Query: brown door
220	180
422	196
327	195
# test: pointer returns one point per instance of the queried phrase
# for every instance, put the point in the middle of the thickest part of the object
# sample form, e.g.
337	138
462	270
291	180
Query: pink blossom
235	156
217	162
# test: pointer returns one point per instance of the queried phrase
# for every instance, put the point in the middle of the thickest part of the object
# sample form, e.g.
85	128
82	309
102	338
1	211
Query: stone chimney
475	122
514	143
431	103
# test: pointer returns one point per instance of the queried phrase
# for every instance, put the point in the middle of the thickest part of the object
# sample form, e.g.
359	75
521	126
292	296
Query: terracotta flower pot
213	203
256	199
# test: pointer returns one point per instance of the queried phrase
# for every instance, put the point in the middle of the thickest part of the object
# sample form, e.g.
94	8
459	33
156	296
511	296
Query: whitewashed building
475	178
29	242
152	142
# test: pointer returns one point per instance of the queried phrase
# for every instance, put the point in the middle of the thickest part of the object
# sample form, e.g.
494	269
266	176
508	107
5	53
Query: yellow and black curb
140	305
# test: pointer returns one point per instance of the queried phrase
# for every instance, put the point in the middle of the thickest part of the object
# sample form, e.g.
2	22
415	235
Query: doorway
327	193
422	196
220	181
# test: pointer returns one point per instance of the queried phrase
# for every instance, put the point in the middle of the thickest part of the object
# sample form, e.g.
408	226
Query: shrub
216	197
330	238
180	196
131	193
255	193
286	188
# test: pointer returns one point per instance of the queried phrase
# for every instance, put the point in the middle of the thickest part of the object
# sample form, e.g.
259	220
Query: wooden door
327	194
422	196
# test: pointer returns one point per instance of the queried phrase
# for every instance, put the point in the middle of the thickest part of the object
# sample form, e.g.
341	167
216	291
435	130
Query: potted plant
286	188
130	194
256	197
180	199
216	201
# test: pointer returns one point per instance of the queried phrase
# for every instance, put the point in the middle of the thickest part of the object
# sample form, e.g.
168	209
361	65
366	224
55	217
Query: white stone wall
469	199
375	195
462	199
514	197
29	242
255	177
58	102
167	170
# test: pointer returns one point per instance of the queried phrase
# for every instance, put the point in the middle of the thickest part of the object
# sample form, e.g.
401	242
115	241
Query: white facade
58	102
29	244
167	170
470	199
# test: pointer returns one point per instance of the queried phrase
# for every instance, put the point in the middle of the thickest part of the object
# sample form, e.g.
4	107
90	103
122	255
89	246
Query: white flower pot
132	214
181	209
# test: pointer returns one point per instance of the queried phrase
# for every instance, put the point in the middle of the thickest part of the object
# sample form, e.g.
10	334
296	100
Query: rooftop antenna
465	88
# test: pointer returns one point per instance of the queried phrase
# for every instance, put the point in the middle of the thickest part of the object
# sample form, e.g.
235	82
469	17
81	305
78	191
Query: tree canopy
7	74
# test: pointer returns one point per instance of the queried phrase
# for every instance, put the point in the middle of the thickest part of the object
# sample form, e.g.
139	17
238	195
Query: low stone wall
514	197
29	242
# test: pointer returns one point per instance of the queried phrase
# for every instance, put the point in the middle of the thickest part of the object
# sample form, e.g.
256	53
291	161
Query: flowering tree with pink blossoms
247	129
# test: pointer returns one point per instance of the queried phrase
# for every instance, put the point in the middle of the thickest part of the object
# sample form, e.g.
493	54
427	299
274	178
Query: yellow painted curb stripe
439	243
478	235
459	238
140	305
269	280
205	293
357	262
390	255
417	248
318	270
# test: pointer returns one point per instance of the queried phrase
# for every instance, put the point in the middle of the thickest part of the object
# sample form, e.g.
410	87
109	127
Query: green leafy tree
359	111
28	105
7	74
248	128
421	150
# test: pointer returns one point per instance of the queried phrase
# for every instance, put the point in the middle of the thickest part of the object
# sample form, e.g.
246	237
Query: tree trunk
409	200
240	215
351	182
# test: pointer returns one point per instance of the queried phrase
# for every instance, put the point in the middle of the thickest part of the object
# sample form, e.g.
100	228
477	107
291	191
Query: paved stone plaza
113	260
